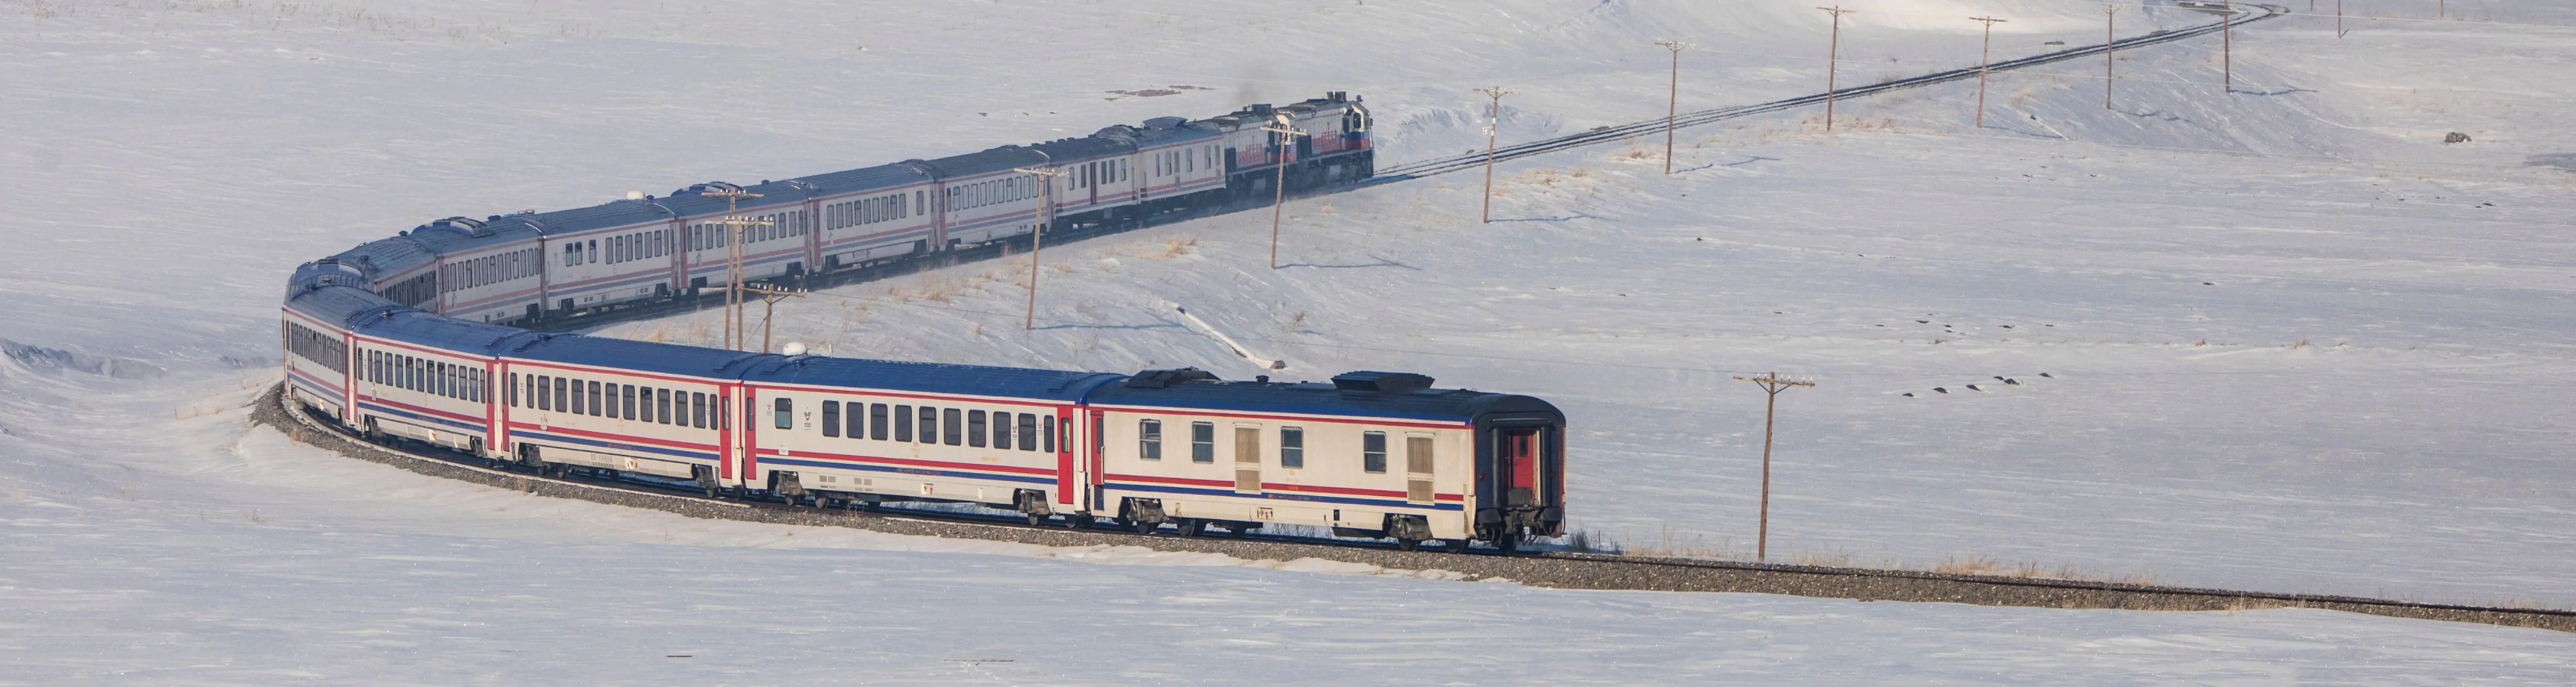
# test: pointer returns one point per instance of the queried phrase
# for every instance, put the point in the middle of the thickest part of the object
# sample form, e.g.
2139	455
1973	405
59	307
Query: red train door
1091	178
1517	456
1070	473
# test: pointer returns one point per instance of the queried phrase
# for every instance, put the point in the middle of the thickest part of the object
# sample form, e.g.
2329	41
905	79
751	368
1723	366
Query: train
423	338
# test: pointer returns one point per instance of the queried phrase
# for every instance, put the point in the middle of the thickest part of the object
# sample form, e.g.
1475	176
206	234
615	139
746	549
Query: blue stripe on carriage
398	412
1278	496
524	434
842	465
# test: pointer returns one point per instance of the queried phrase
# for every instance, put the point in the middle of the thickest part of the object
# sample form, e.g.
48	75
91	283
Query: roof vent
1381	382
1165	123
1337	96
1157	379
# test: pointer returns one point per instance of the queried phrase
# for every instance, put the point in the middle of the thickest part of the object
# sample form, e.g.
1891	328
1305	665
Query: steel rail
1424	168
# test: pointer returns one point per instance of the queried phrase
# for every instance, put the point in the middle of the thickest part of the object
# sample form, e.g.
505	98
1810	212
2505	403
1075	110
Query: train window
538	398
786	412
1292	447
902	423
595	400
698	410
662	406
950	432
723	407
1049	427
1029	432
1202	442
626	398
917	205
1373	451
1417	455
876	422
929	425
1149	439
563	399
975	428
857	424
575	406
510	392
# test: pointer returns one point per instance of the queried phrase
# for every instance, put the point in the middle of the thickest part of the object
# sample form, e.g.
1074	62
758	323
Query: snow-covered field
2293	342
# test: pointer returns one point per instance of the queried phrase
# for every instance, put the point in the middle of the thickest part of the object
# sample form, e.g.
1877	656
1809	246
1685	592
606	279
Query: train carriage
622	406
1371	454
405	338
874	430
871	214
980	198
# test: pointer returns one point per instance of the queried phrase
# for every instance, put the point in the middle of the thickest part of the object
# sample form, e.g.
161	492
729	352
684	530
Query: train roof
1356	393
386	256
415	326
313	295
1000	159
615	213
640	356
457	234
937	378
1065	150
865	178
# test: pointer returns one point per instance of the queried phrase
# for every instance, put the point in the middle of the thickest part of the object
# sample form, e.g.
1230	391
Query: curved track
1550	569
1415	170
1544	569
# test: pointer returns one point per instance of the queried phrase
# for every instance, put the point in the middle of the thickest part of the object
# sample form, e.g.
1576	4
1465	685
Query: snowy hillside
2291	340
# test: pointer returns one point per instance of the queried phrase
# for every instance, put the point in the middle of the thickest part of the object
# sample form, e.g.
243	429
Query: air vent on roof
1165	123
1382	382
1157	379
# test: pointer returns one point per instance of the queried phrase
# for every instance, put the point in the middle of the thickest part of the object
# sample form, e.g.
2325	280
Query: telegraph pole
1493	121
2227	44
2110	43
735	226
769	299
1046	218
1772	384
1672	107
1287	134
1984	56
2338	18
1833	55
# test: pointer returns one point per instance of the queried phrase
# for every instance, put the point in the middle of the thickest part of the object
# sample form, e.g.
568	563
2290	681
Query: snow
2294	342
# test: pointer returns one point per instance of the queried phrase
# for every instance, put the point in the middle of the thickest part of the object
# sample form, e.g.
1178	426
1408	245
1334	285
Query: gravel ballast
1567	571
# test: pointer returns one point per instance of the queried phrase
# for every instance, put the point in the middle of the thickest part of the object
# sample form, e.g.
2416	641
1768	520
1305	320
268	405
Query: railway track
1424	168
1535	568
1415	170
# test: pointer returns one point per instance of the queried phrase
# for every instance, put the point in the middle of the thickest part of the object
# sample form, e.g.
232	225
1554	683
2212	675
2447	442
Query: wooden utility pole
1287	135
1833	57
769	299
1772	384
1672	107
735	226
1493	121
2338	18
2227	44
2110	44
1037	236
1984	56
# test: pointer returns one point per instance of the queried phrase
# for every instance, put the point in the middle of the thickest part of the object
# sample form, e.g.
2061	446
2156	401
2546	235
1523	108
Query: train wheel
1192	527
1403	544
1036	519
1075	521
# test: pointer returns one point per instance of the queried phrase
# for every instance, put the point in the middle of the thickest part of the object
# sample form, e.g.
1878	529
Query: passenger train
411	338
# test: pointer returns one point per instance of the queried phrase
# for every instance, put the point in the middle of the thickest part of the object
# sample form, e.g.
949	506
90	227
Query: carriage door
1091	178
1516	455
1247	459
1070	471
